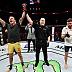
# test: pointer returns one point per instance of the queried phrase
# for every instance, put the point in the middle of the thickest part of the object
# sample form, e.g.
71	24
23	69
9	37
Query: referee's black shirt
42	32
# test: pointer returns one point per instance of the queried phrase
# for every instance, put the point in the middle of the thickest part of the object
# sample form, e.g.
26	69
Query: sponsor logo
26	46
55	65
60	47
2	49
19	44
18	49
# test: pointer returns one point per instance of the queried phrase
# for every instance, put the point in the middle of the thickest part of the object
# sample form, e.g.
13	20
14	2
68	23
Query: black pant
29	40
40	44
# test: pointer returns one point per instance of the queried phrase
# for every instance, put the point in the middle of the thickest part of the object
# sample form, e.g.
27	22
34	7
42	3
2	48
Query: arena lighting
33	8
36	8
45	13
32	13
56	13
31	2
36	13
34	1
39	8
66	11
10	12
30	8
53	13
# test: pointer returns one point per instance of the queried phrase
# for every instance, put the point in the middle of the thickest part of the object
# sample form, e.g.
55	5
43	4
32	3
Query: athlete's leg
66	54
10	52
18	50
21	59
10	60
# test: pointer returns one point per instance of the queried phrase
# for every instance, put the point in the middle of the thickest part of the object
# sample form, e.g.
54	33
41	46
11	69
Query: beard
11	24
70	27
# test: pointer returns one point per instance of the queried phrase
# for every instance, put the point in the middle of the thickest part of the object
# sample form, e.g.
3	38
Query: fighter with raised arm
14	38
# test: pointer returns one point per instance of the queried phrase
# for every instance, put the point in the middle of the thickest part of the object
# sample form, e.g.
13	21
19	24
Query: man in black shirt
7	41
42	34
13	38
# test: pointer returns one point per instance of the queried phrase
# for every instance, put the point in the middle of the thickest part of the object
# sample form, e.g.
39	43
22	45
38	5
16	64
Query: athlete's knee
66	54
11	59
10	55
19	55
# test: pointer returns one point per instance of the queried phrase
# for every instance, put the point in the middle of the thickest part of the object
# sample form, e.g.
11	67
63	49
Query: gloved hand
47	44
24	7
67	35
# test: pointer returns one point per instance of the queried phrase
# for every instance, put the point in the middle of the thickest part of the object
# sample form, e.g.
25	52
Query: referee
42	34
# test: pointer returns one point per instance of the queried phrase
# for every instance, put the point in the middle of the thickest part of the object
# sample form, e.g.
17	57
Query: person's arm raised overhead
2	22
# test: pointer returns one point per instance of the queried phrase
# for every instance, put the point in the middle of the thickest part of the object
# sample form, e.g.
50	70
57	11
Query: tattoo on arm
2	22
29	19
22	18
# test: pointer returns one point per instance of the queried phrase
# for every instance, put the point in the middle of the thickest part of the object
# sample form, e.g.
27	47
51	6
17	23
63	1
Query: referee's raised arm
22	18
29	19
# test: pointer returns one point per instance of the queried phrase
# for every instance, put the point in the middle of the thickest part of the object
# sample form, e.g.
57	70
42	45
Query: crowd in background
57	36
23	34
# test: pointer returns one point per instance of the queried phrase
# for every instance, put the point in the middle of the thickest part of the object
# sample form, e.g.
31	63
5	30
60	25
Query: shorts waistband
12	42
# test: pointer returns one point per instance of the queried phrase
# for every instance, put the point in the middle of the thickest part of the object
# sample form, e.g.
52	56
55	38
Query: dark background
45	6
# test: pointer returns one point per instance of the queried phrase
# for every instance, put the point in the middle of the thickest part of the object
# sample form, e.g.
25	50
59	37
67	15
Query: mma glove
67	35
24	7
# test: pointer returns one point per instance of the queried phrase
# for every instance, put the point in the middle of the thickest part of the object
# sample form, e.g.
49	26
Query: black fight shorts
67	48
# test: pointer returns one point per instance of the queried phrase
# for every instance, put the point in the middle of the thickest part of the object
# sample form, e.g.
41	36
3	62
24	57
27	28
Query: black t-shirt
13	32
42	32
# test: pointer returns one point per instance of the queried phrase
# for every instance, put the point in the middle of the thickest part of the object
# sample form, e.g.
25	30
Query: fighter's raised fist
24	5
